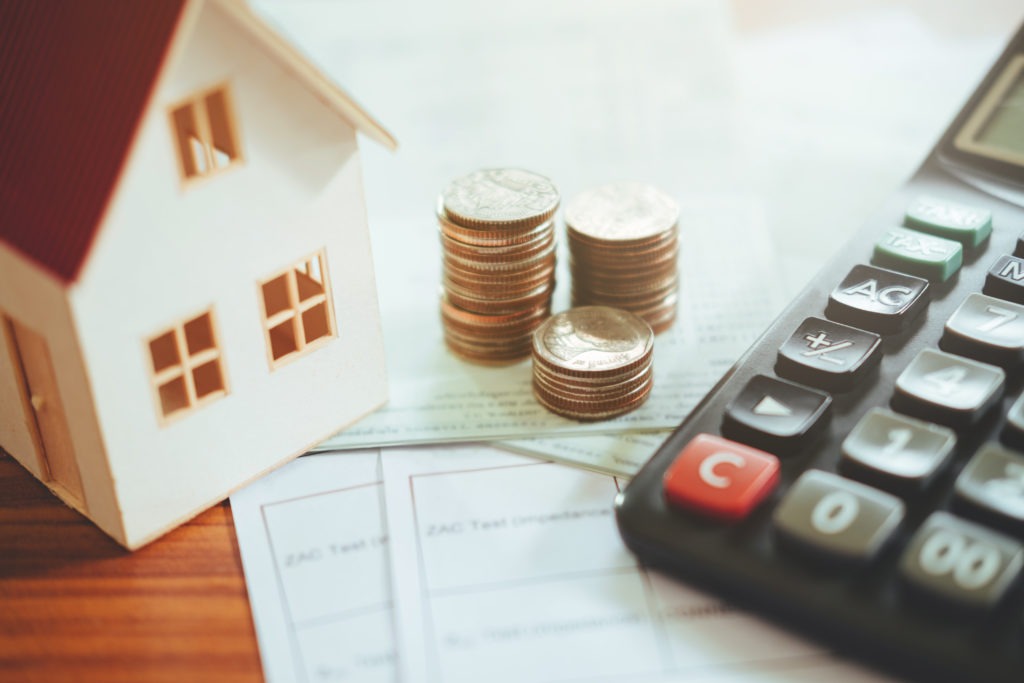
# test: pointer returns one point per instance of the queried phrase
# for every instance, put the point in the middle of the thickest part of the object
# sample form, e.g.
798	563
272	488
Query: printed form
315	553
511	569
491	567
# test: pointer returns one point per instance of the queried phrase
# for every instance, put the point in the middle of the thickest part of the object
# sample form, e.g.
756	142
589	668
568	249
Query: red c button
720	478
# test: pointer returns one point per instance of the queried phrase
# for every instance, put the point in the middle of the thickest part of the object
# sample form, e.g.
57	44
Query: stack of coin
593	362
623	244
498	238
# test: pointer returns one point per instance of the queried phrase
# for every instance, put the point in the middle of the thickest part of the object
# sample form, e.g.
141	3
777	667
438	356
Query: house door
56	452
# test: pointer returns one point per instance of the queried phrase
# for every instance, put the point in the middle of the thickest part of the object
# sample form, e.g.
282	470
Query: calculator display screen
995	128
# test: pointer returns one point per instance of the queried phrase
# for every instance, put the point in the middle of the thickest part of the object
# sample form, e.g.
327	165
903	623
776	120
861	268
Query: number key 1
896	452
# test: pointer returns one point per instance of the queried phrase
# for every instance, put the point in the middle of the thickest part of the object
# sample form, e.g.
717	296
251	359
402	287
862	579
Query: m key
1005	279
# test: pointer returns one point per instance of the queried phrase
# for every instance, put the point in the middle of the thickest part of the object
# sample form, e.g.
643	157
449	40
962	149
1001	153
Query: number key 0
836	518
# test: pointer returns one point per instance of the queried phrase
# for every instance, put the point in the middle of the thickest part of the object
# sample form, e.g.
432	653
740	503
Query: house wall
170	250
37	300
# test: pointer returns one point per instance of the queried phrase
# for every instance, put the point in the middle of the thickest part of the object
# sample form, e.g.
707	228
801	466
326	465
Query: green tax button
968	225
916	253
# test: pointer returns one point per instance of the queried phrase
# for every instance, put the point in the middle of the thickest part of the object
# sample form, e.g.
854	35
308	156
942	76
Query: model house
187	296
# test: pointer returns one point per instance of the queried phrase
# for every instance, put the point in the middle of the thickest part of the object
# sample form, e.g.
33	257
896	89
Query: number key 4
940	387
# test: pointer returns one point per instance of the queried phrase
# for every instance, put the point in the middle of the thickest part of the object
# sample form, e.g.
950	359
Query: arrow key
776	415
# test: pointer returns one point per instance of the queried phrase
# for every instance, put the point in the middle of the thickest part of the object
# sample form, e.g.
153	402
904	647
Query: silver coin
500	196
622	212
593	340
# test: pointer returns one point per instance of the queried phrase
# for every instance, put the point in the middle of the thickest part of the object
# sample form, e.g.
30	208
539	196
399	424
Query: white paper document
503	568
511	569
314	550
618	455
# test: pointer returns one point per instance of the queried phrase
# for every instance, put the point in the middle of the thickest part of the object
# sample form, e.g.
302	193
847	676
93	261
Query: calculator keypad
910	251
944	388
837	518
775	414
720	478
993	482
877	299
961	562
828	355
906	510
895	451
1013	432
969	225
987	329
1005	279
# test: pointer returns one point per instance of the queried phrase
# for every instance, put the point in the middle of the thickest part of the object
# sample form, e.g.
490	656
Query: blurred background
814	109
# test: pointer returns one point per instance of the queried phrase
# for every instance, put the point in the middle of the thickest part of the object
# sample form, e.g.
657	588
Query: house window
205	133
187	370
297	309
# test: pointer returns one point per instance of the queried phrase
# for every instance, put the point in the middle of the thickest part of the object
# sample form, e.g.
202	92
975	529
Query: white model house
187	296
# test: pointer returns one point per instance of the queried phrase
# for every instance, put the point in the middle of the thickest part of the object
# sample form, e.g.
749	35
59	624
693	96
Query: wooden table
75	606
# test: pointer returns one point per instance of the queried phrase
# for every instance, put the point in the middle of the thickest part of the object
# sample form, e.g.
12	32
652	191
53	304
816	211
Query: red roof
74	80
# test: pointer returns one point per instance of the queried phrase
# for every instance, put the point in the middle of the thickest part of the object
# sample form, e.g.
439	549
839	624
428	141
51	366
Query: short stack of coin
593	362
623	245
498	238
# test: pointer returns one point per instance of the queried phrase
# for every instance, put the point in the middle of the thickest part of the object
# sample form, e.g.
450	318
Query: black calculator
858	475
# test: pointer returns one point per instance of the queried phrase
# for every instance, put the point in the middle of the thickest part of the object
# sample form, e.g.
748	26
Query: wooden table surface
75	606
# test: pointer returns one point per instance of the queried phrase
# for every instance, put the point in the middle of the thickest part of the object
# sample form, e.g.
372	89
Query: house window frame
296	308
185	367
197	101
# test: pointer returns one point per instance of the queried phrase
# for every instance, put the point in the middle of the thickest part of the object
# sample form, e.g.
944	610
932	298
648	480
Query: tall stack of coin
624	243
593	362
498	238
